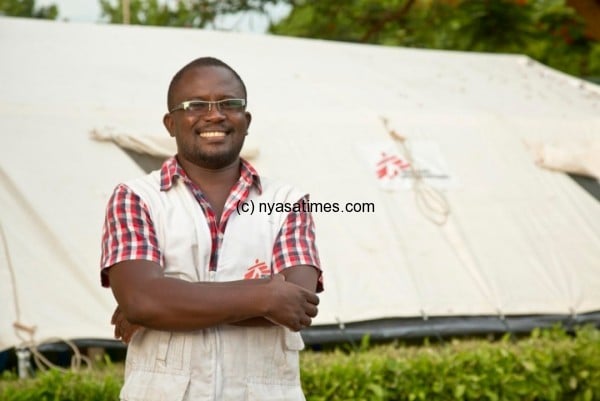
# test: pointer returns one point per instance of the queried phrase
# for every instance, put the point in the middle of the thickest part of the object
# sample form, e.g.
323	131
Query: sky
89	11
75	10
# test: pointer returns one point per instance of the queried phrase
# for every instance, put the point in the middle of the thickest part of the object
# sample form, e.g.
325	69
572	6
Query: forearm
254	322
172	304
147	298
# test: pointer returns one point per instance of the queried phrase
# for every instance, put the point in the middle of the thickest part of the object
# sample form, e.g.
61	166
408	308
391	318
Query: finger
130	331
115	314
312	310
117	332
127	329
306	321
119	323
120	326
312	298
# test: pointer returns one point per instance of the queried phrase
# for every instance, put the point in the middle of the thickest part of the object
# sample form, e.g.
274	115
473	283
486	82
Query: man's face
215	138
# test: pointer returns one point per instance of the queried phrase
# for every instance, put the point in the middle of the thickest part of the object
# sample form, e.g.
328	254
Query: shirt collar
171	169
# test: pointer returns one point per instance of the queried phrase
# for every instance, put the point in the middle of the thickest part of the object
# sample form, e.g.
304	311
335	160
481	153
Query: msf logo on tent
258	270
389	166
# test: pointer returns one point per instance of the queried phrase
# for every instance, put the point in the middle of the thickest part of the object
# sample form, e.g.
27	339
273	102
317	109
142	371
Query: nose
214	112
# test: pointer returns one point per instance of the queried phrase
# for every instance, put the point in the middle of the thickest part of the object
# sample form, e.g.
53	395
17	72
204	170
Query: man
182	262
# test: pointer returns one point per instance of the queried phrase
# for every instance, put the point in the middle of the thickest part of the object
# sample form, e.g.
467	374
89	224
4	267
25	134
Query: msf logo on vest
258	270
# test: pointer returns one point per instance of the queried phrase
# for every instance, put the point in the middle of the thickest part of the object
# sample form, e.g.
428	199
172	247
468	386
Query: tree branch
396	15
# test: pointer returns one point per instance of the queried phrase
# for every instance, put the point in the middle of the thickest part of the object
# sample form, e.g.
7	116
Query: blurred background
563	34
519	245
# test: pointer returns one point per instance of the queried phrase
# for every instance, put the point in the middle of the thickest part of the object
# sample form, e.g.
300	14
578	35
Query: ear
248	120
169	123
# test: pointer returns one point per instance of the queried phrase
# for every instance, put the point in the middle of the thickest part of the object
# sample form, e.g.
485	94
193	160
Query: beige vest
223	363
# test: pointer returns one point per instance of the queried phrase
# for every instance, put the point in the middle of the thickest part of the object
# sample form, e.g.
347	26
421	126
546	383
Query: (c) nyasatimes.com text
251	207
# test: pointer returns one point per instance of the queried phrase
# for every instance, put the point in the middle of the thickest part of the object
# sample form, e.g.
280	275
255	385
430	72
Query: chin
216	161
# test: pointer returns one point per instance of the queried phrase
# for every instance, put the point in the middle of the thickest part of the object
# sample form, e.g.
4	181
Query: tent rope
431	202
26	333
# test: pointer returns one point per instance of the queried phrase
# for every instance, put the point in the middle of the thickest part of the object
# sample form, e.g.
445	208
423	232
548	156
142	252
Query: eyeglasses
205	106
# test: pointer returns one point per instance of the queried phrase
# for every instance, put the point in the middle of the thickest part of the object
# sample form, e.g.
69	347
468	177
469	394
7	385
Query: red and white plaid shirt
129	234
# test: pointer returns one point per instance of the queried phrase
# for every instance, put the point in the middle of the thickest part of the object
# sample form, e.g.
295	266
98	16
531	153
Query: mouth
213	134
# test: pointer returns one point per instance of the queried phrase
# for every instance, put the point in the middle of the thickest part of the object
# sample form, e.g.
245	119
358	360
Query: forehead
207	82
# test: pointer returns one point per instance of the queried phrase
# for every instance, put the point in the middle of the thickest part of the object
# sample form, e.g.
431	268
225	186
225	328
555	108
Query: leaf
529	366
376	389
572	382
459	391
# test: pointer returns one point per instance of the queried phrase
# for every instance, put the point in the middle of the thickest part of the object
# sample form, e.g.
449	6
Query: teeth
212	134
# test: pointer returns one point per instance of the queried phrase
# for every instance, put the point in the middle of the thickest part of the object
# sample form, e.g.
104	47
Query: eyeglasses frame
186	104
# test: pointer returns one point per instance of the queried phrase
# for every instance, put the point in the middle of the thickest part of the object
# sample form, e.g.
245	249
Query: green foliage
493	26
151	12
564	45
548	365
546	30
368	21
27	8
102	384
183	13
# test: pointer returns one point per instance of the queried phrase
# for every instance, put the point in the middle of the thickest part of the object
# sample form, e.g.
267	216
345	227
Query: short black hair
197	63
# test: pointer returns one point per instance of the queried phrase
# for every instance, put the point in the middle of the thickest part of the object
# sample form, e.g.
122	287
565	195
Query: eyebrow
223	97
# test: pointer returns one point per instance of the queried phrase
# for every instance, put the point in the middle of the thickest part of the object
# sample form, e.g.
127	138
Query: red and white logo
258	270
389	166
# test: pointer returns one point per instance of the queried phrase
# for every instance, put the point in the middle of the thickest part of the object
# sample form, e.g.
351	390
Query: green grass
547	365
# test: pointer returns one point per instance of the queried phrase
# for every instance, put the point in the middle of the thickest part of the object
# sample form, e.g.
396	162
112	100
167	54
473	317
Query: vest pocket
157	366
273	356
152	386
170	351
293	341
274	392
160	351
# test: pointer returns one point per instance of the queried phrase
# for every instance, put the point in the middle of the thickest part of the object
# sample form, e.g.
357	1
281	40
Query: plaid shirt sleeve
295	243
128	232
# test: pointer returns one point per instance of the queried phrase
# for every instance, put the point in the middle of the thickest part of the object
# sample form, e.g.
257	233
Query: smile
212	134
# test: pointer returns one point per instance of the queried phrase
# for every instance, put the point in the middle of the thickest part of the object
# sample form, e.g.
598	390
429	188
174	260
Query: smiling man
211	301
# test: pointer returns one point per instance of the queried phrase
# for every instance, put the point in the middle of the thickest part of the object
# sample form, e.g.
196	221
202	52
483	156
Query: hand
291	305
123	329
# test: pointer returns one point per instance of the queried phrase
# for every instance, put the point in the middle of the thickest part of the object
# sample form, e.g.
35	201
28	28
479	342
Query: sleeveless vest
222	363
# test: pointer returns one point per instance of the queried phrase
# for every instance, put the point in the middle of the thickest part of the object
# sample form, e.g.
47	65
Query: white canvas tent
520	241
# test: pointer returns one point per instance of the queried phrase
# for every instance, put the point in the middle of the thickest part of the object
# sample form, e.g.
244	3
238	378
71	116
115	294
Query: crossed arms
147	298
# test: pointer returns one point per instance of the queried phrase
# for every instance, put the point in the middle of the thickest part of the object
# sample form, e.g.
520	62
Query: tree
546	30
182	13
26	8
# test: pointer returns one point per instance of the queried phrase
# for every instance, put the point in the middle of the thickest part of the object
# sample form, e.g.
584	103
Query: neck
206	177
